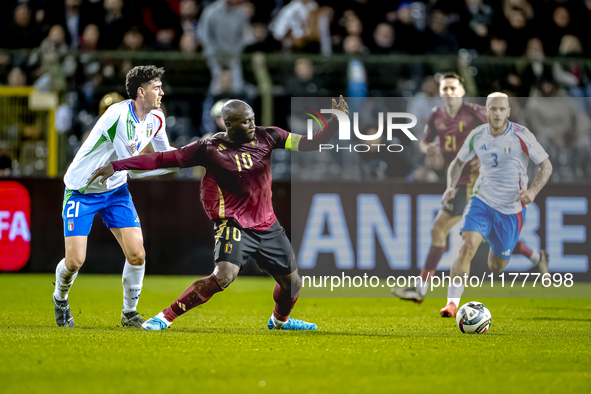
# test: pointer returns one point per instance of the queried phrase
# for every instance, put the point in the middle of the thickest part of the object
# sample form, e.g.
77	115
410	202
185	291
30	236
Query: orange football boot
450	310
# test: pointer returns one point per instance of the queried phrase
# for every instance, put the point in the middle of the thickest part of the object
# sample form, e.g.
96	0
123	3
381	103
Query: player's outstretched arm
323	136
150	161
161	144
105	172
540	180
453	176
297	142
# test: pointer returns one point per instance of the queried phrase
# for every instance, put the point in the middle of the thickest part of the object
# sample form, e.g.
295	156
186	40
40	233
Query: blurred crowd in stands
526	48
231	26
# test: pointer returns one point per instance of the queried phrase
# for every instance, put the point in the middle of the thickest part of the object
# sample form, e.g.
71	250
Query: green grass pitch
362	345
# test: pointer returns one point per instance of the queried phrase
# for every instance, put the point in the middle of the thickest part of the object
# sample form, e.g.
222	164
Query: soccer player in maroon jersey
452	122
236	195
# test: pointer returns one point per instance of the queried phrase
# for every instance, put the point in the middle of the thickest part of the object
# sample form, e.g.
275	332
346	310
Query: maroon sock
522	248
198	293
433	258
284	303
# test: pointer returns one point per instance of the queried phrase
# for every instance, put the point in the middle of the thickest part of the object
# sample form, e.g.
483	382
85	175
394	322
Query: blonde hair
496	95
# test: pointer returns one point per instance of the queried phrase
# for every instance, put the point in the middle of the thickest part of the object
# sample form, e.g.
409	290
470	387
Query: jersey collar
132	112
509	124
457	113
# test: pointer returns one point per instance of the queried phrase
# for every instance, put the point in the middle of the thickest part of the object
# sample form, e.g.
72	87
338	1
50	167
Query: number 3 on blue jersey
495	157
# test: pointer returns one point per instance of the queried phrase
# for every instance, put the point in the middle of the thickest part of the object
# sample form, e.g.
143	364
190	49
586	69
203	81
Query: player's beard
248	137
244	137
498	124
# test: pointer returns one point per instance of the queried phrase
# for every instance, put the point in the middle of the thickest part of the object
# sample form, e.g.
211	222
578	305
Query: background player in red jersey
452	122
236	195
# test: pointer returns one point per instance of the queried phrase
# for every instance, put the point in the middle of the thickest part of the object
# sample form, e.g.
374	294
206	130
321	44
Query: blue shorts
501	230
115	207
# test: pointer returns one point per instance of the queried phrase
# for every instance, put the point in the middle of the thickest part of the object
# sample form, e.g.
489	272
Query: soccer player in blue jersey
497	208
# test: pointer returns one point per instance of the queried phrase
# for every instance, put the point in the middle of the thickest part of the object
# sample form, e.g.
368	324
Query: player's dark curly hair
451	74
140	75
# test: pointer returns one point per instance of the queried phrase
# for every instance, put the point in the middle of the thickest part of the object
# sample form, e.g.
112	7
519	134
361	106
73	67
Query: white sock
64	279
454	294
276	322
535	257
161	317
424	287
133	276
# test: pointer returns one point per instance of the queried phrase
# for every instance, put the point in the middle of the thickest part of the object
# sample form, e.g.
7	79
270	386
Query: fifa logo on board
345	130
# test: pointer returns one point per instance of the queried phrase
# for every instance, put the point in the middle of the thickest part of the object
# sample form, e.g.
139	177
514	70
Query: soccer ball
473	318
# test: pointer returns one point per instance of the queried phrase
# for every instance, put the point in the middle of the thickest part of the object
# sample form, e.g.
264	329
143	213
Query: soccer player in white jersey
497	208
123	131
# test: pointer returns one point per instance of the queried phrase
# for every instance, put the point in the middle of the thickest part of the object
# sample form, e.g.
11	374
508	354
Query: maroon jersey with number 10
237	182
453	131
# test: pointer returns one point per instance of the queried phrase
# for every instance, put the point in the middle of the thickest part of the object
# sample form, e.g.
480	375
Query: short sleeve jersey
237	182
504	161
452	132
117	135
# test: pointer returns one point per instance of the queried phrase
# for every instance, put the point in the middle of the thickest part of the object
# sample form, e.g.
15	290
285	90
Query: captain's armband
293	142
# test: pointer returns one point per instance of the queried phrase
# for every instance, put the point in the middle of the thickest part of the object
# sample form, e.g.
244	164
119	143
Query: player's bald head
234	108
497	97
239	120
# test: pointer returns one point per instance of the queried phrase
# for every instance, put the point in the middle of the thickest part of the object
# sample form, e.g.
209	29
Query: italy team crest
70	224
149	129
